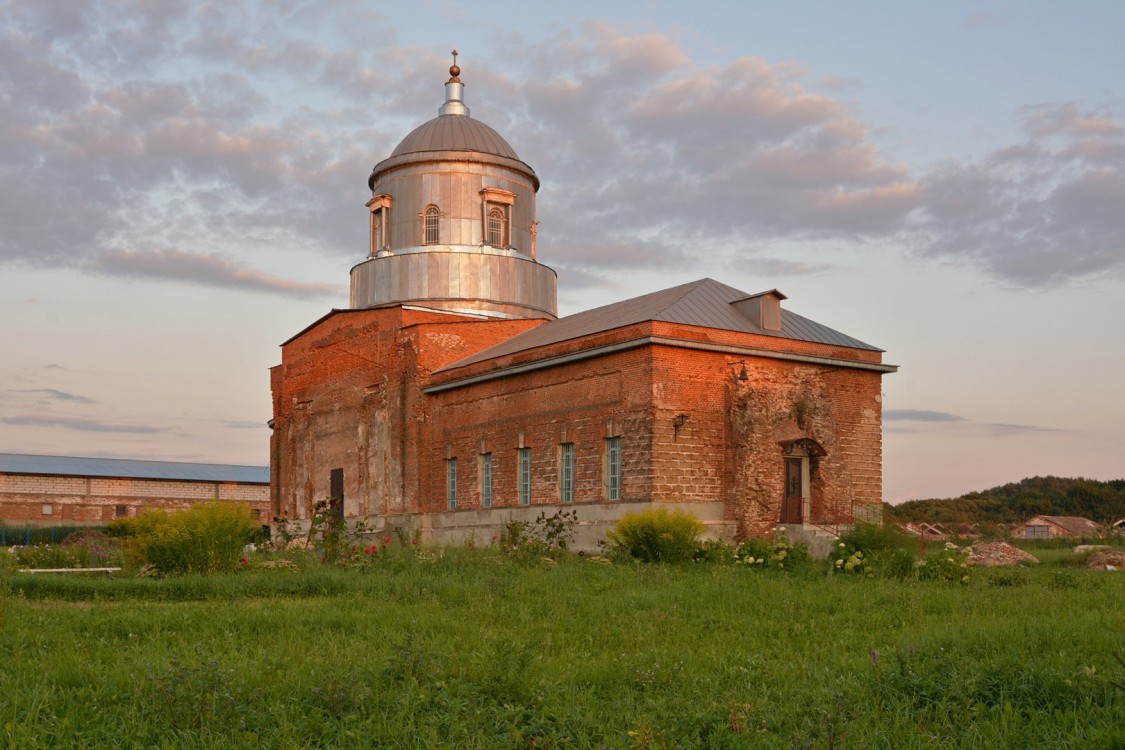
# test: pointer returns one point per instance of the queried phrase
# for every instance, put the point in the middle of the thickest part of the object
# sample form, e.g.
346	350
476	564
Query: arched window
496	228
430	234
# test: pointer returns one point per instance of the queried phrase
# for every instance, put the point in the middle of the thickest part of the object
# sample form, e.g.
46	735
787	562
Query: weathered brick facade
50	499
700	396
381	395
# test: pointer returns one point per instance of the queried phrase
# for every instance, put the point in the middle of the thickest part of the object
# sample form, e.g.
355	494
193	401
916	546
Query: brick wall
95	500
348	395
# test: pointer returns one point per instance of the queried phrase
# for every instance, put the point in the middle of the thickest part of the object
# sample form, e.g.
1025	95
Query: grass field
469	649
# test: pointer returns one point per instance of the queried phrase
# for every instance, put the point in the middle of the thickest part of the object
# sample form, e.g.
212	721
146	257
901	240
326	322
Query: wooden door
791	502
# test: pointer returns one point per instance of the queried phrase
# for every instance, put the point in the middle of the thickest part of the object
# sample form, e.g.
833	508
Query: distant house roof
18	463
705	303
1075	525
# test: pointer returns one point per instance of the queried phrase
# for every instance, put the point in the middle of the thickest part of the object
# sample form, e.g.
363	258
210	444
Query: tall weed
657	535
206	538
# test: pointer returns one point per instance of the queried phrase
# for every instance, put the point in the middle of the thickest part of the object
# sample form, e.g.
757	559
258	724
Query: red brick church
450	398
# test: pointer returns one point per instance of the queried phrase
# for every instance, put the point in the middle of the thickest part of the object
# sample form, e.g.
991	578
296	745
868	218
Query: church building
450	398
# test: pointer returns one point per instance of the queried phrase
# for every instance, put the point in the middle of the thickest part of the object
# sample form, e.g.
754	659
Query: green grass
468	649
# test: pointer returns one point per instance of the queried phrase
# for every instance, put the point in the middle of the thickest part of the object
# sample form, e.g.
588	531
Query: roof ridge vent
763	309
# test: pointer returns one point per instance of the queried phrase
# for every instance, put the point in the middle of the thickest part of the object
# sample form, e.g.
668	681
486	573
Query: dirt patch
1107	560
992	554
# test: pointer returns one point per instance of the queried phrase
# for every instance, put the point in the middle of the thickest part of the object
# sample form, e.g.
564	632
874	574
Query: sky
183	189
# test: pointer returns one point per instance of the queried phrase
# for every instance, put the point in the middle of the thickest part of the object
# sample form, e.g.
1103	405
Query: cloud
919	415
775	267
155	142
997	429
50	394
245	425
207	270
1043	213
78	423
1000	428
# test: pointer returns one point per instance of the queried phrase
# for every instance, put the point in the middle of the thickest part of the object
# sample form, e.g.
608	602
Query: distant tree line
1016	502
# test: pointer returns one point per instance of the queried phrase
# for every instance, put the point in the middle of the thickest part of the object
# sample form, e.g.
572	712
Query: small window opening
496	228
430	235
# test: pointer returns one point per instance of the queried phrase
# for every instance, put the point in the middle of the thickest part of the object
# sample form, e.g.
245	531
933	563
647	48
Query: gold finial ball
454	71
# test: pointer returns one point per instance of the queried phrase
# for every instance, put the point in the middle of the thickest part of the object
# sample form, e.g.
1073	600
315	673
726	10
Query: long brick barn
450	398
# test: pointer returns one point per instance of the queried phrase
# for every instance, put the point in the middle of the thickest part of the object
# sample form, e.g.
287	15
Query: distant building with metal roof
75	466
74	490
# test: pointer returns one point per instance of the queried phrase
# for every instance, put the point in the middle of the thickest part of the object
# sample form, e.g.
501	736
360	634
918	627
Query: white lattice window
496	226
430	233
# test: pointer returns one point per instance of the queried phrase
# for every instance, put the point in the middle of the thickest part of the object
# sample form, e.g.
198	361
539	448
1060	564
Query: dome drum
483	283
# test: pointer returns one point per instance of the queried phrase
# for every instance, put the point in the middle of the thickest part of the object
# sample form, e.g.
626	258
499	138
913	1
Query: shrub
657	535
849	560
715	551
546	536
777	553
876	549
207	538
950	565
872	537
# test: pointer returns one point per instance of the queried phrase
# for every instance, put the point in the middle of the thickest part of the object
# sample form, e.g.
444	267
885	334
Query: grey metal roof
705	303
72	466
454	133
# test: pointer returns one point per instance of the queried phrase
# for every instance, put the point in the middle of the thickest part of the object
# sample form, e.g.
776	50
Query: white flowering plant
778	553
847	559
949	564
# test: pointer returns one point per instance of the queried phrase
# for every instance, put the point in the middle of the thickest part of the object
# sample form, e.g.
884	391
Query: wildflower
386	540
839	563
859	555
842	545
244	560
414	542
849	566
371	550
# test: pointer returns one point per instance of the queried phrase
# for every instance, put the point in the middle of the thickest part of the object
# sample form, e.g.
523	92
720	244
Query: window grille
430	222
486	480
451	482
566	473
525	476
496	228
613	469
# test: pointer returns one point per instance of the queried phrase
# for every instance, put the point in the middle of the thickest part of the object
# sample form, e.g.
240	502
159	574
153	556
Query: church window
496	223
380	207
376	232
451	482
430	235
613	469
566	472
486	480
525	476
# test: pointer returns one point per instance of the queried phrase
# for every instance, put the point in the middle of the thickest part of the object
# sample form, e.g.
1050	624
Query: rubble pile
992	554
1107	560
